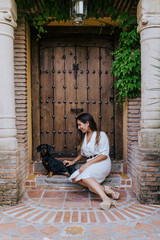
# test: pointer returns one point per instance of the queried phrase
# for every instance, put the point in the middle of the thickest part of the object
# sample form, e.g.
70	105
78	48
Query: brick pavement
58	214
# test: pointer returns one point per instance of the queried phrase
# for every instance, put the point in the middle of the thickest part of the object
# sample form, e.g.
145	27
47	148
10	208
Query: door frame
35	91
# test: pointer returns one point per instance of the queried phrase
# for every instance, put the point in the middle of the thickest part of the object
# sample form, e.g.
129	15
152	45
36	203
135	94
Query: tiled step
62	182
51	207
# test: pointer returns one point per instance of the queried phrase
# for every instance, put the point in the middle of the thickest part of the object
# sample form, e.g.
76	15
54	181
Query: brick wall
20	79
143	165
10	185
145	172
133	126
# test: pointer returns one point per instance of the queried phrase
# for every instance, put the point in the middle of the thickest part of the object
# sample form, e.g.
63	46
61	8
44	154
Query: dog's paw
50	174
67	174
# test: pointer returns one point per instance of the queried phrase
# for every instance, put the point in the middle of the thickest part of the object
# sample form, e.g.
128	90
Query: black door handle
77	109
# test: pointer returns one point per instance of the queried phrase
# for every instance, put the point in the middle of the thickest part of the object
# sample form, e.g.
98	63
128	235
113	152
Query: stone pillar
10	185
144	159
149	29
8	16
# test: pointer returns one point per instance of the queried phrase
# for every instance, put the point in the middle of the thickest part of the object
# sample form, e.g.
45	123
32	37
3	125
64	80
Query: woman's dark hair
84	117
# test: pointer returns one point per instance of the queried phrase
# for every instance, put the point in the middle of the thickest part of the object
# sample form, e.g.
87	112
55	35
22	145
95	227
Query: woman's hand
83	167
68	163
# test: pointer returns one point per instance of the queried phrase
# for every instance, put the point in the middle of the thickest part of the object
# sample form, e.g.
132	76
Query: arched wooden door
75	78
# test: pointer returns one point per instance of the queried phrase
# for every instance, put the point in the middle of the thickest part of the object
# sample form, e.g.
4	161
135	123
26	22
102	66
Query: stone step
38	180
117	167
62	182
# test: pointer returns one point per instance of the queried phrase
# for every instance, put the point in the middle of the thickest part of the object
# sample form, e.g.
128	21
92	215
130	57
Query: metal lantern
78	12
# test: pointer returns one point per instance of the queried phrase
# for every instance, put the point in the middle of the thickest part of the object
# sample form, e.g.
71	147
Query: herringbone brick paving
50	214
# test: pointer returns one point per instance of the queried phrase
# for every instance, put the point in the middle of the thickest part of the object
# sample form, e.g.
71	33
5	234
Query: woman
95	146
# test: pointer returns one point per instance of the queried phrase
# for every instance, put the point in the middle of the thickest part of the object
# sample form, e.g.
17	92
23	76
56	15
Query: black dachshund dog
51	164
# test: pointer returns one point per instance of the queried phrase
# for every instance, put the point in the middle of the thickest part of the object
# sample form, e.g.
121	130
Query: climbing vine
126	66
39	13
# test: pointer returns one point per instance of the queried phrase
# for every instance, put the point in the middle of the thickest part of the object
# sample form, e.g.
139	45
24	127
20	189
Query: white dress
100	170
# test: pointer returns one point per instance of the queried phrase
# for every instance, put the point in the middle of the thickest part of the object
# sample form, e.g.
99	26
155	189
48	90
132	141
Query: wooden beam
35	97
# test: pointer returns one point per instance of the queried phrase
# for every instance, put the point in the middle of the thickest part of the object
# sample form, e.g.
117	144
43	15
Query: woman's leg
94	186
81	182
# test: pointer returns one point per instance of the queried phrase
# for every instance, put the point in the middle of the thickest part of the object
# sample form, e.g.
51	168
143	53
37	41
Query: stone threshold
118	166
61	182
38	180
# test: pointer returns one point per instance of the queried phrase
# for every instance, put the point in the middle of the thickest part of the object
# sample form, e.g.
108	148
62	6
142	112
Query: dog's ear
39	148
48	148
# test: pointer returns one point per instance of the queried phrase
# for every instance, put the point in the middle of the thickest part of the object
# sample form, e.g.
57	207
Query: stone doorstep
38	180
61	182
38	168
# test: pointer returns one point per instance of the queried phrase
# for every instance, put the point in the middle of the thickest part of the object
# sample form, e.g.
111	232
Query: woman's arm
79	157
69	163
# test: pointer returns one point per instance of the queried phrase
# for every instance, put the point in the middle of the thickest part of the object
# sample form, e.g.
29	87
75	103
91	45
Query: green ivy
39	13
127	64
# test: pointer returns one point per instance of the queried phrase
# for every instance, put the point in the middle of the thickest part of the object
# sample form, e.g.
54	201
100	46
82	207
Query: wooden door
74	78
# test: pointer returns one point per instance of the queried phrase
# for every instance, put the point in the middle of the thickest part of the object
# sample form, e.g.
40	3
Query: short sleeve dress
99	171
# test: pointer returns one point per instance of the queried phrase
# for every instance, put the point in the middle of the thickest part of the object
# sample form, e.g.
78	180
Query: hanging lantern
79	12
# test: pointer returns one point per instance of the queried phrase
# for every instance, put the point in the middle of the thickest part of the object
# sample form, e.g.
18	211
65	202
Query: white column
148	16
8	16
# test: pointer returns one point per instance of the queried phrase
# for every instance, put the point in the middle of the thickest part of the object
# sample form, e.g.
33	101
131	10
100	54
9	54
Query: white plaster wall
149	28
7	97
